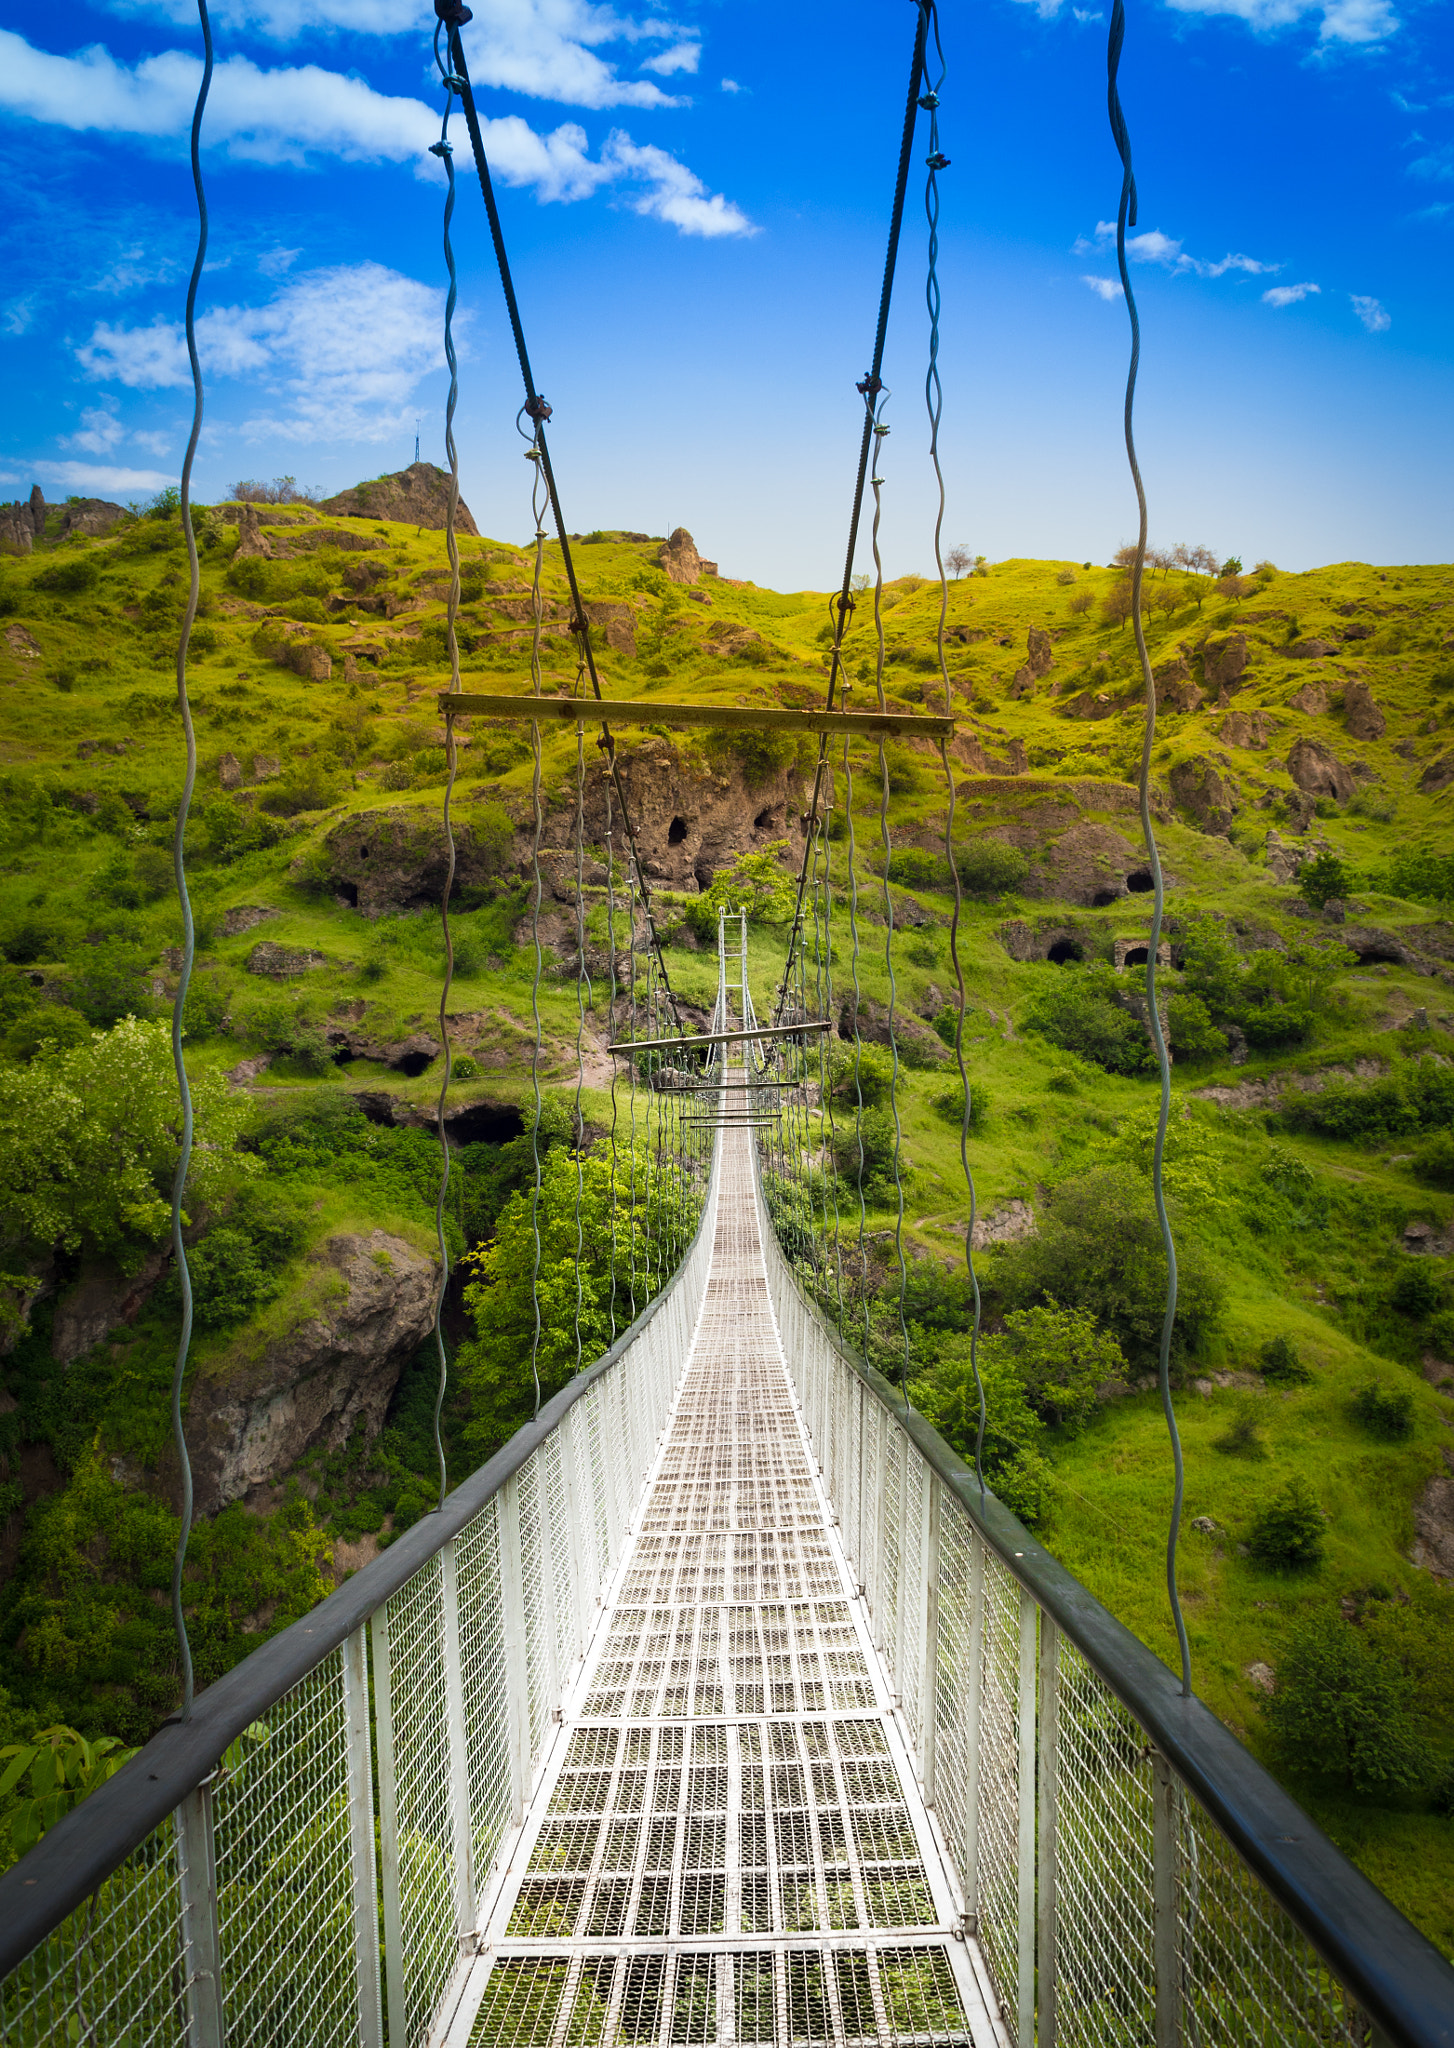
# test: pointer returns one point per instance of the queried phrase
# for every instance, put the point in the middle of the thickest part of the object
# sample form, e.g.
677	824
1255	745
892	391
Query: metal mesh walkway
727	1843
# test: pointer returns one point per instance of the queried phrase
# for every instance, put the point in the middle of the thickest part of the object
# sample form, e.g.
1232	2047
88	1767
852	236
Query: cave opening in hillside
703	872
1378	955
485	1123
1064	950
348	891
764	820
1103	897
676	831
1138	956
1141	882
412	1063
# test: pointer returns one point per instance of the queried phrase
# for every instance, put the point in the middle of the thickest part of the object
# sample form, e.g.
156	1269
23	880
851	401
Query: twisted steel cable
611	958
583	992
857	1038
1126	216
444	150
179	874
933	386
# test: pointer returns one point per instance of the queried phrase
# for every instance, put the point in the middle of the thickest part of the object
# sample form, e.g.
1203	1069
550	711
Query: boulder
102	1297
251	540
1308	650
1438	775
1312	698
1040	652
1199	787
1224	660
1023	683
281	963
37	511
616	624
1317	771
17	537
1433	1545
244	916
92	516
917	1044
1245	729
229	772
1361	715
1179	694
416	496
265	768
679	558
250	1420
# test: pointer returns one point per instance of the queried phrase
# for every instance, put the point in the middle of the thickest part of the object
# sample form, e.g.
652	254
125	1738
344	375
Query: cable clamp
870	386
453	13
441	148
929	101
454	84
536	409
880	429
938	161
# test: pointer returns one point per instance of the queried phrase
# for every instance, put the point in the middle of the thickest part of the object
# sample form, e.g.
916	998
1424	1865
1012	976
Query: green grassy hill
1311	1162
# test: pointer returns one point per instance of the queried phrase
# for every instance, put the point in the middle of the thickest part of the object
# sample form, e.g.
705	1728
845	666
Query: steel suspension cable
611	1013
868	391
444	150
857	1037
583	992
1126	217
536	885
179	873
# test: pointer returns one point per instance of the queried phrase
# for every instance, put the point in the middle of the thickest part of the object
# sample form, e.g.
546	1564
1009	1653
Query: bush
1098	1247
1287	1530
69	576
1280	1365
1013	1462
309	787
1418	1291
1242	1438
1343	1706
1433	1161
1385	1411
1075	1011
914	868
865	1075
1193	1034
866	1148
950	1105
989	867
1321	880
1060	1355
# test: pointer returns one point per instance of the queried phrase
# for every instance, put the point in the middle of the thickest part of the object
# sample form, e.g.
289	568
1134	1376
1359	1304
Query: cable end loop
453	13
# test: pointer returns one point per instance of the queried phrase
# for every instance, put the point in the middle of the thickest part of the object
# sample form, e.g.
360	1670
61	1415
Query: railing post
929	1679
1165	1895
1047	1773
458	1746
359	1766
1025	1845
517	1663
577	1542
860	1562
201	1959
388	1823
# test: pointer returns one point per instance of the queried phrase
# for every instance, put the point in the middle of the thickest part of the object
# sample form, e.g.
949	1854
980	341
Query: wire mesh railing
230	1884
1130	1873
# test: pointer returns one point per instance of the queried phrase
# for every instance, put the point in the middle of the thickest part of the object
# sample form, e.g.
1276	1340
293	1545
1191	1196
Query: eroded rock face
1311	698
251	540
1361	715
101	1298
250	1422
1433	1546
393	859
1317	770
616	624
1224	660
93	516
1200	788
1009	1223
679	557
1244	729
1438	775
1040	653
1309	650
281	963
917	1044
416	496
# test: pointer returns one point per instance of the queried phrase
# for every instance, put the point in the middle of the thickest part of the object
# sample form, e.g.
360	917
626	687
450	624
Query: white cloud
1371	313
18	315
1342	21
680	57
1104	287
1154	247
673	193
155	444
277	262
100	476
339	352
101	431
1439	163
1290	294
546	49
284	116
731	85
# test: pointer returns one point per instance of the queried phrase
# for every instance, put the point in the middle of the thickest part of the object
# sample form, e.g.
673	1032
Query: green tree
1193	1034
756	883
1287	1530
990	867
1061	1356
88	1144
1075	1009
1343	1707
48	1775
1280	1365
1014	1460
1385	1411
1322	879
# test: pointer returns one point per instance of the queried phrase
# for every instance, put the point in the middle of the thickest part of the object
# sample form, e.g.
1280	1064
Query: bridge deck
727	1843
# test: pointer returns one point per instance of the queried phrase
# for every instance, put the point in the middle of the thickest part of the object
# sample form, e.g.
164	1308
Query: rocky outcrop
1433	1545
1247	729
679	558
281	963
1371	943
1039	660
1308	650
1438	775
416	496
616	625
244	916
293	646
17	536
1198	786
24	646
1223	661
1311	698
397	859
1284	862
92	516
250	1420
102	1298
1361	715
229	772
251	540
1317	770
1009	1223
917	1044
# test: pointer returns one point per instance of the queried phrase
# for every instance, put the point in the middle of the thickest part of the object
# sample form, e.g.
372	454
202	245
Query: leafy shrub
1061	1356
865	1152
863	1074
950	1105
1192	1031
989	867
1433	1162
1322	879
1418	1291
69	575
308	611
1420	876
1417	1096
1280	1365
309	787
1242	1438
1014	1463
756	883
912	867
1098	1247
1287	1530
1343	1706
1074	1010
1385	1411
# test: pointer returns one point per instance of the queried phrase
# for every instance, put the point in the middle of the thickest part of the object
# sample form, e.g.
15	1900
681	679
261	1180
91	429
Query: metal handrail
94	1839
1402	1982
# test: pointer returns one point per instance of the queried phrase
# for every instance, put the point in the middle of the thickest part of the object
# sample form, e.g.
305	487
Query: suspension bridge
725	1704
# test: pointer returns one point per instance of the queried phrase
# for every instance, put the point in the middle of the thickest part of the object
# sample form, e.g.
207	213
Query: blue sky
696	202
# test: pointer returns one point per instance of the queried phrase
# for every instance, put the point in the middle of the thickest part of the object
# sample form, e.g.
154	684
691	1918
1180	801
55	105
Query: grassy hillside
1311	1161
